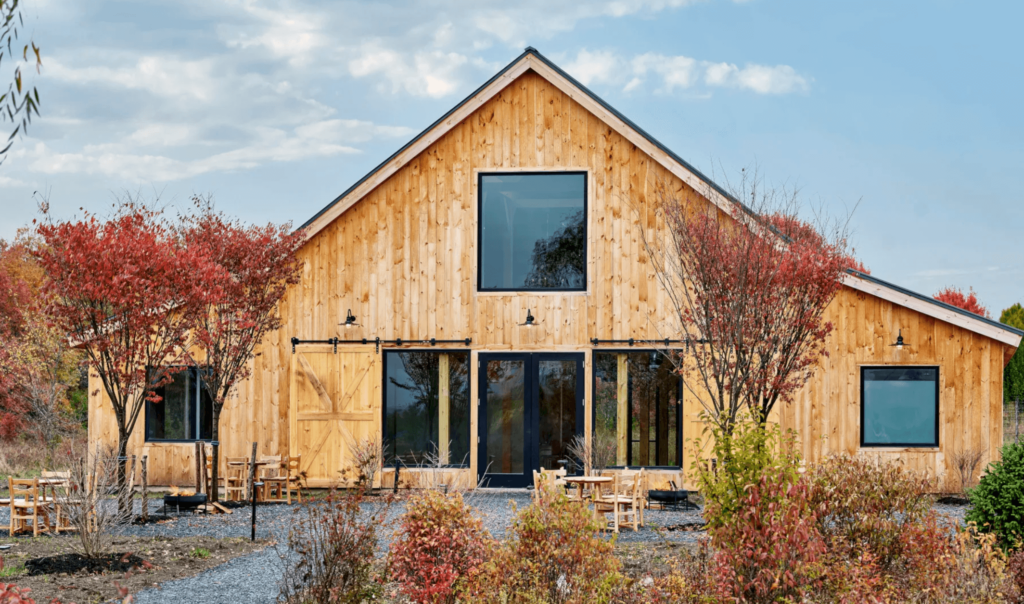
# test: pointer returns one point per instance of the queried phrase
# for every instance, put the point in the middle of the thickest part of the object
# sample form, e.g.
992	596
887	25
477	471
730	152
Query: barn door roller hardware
377	342
633	341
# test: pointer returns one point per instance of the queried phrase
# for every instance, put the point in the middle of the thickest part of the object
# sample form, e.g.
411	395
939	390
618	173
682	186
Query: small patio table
595	481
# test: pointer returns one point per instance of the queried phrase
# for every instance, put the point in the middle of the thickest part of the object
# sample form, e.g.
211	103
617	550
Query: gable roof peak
530	60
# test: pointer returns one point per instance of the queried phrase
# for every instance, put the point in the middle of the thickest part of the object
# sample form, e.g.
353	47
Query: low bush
997	503
439	545
864	507
742	458
771	549
335	541
554	556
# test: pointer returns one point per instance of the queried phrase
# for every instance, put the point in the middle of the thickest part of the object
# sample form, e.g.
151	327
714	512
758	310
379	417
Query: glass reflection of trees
411	406
557	381
560	261
654	407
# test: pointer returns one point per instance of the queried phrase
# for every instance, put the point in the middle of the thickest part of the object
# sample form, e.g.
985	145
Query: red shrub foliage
771	550
955	296
440	544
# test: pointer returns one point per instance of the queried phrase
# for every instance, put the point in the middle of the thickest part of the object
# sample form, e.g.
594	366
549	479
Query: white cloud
762	79
426	73
674	73
7	181
158	75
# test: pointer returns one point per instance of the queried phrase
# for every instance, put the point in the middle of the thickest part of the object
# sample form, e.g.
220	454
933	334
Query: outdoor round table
595	481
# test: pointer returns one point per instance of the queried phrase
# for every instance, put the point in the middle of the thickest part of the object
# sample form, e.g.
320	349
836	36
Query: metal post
255	486
214	494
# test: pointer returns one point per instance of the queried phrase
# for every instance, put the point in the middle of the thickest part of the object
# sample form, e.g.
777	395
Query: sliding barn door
335	405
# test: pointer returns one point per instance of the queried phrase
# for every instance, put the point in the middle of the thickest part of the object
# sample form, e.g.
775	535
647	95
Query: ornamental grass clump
440	544
554	555
997	503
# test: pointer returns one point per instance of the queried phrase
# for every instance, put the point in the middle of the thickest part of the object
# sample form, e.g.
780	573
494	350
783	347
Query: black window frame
197	375
480	231
932	445
385	463
680	440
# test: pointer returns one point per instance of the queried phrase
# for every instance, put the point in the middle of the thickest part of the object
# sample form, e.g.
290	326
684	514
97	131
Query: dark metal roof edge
643	133
938	303
418	136
587	91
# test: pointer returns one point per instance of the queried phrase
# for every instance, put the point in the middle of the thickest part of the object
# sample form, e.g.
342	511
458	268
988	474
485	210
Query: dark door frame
531	412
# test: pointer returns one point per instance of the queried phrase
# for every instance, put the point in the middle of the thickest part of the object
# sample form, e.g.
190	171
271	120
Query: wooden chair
623	502
29	507
60	521
272	477
291	466
626	479
208	478
236	479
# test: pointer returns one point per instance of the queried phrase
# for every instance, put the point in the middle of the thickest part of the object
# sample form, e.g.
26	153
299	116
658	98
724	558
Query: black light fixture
899	341
529	319
350	320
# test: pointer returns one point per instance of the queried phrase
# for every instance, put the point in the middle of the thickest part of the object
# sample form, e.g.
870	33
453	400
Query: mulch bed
51	567
70	564
953	500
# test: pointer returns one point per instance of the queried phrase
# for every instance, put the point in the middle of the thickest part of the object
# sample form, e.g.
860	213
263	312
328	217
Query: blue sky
908	110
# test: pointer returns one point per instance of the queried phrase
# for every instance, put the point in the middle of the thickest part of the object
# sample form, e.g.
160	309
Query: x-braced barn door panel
335	404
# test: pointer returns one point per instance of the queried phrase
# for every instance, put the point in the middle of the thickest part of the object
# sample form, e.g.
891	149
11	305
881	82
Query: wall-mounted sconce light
899	341
350	320
529	319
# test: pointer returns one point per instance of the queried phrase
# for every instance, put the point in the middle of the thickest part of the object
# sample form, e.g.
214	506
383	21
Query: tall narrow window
899	406
638	409
184	411
426	407
533	234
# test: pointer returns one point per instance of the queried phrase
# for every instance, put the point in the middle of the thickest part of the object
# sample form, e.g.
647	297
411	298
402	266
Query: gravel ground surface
254	578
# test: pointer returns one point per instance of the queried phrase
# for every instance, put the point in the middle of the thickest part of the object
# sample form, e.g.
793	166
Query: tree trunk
215	464
123	495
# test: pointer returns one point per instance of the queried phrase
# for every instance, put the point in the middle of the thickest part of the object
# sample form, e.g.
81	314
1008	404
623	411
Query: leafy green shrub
440	543
997	503
742	459
554	556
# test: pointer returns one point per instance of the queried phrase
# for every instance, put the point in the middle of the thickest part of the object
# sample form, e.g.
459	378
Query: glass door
531	407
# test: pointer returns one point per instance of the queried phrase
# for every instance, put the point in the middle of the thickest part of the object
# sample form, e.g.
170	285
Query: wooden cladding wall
826	413
404	260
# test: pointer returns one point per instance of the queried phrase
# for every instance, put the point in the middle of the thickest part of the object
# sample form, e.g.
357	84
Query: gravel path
254	578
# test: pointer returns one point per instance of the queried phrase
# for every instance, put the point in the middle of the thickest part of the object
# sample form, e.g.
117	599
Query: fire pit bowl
672	499
184	502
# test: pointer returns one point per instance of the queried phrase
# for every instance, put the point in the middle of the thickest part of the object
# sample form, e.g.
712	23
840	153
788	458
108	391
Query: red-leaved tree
253	267
955	296
15	300
748	301
126	291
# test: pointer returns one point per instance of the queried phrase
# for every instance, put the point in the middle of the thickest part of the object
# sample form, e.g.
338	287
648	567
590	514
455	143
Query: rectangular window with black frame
637	409
532	231
899	406
426	408
184	411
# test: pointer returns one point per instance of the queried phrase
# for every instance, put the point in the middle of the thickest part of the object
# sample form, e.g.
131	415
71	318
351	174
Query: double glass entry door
531	407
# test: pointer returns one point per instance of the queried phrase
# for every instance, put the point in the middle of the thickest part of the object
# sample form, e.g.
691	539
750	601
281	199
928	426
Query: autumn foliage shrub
997	503
771	549
439	545
554	555
865	507
335	541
